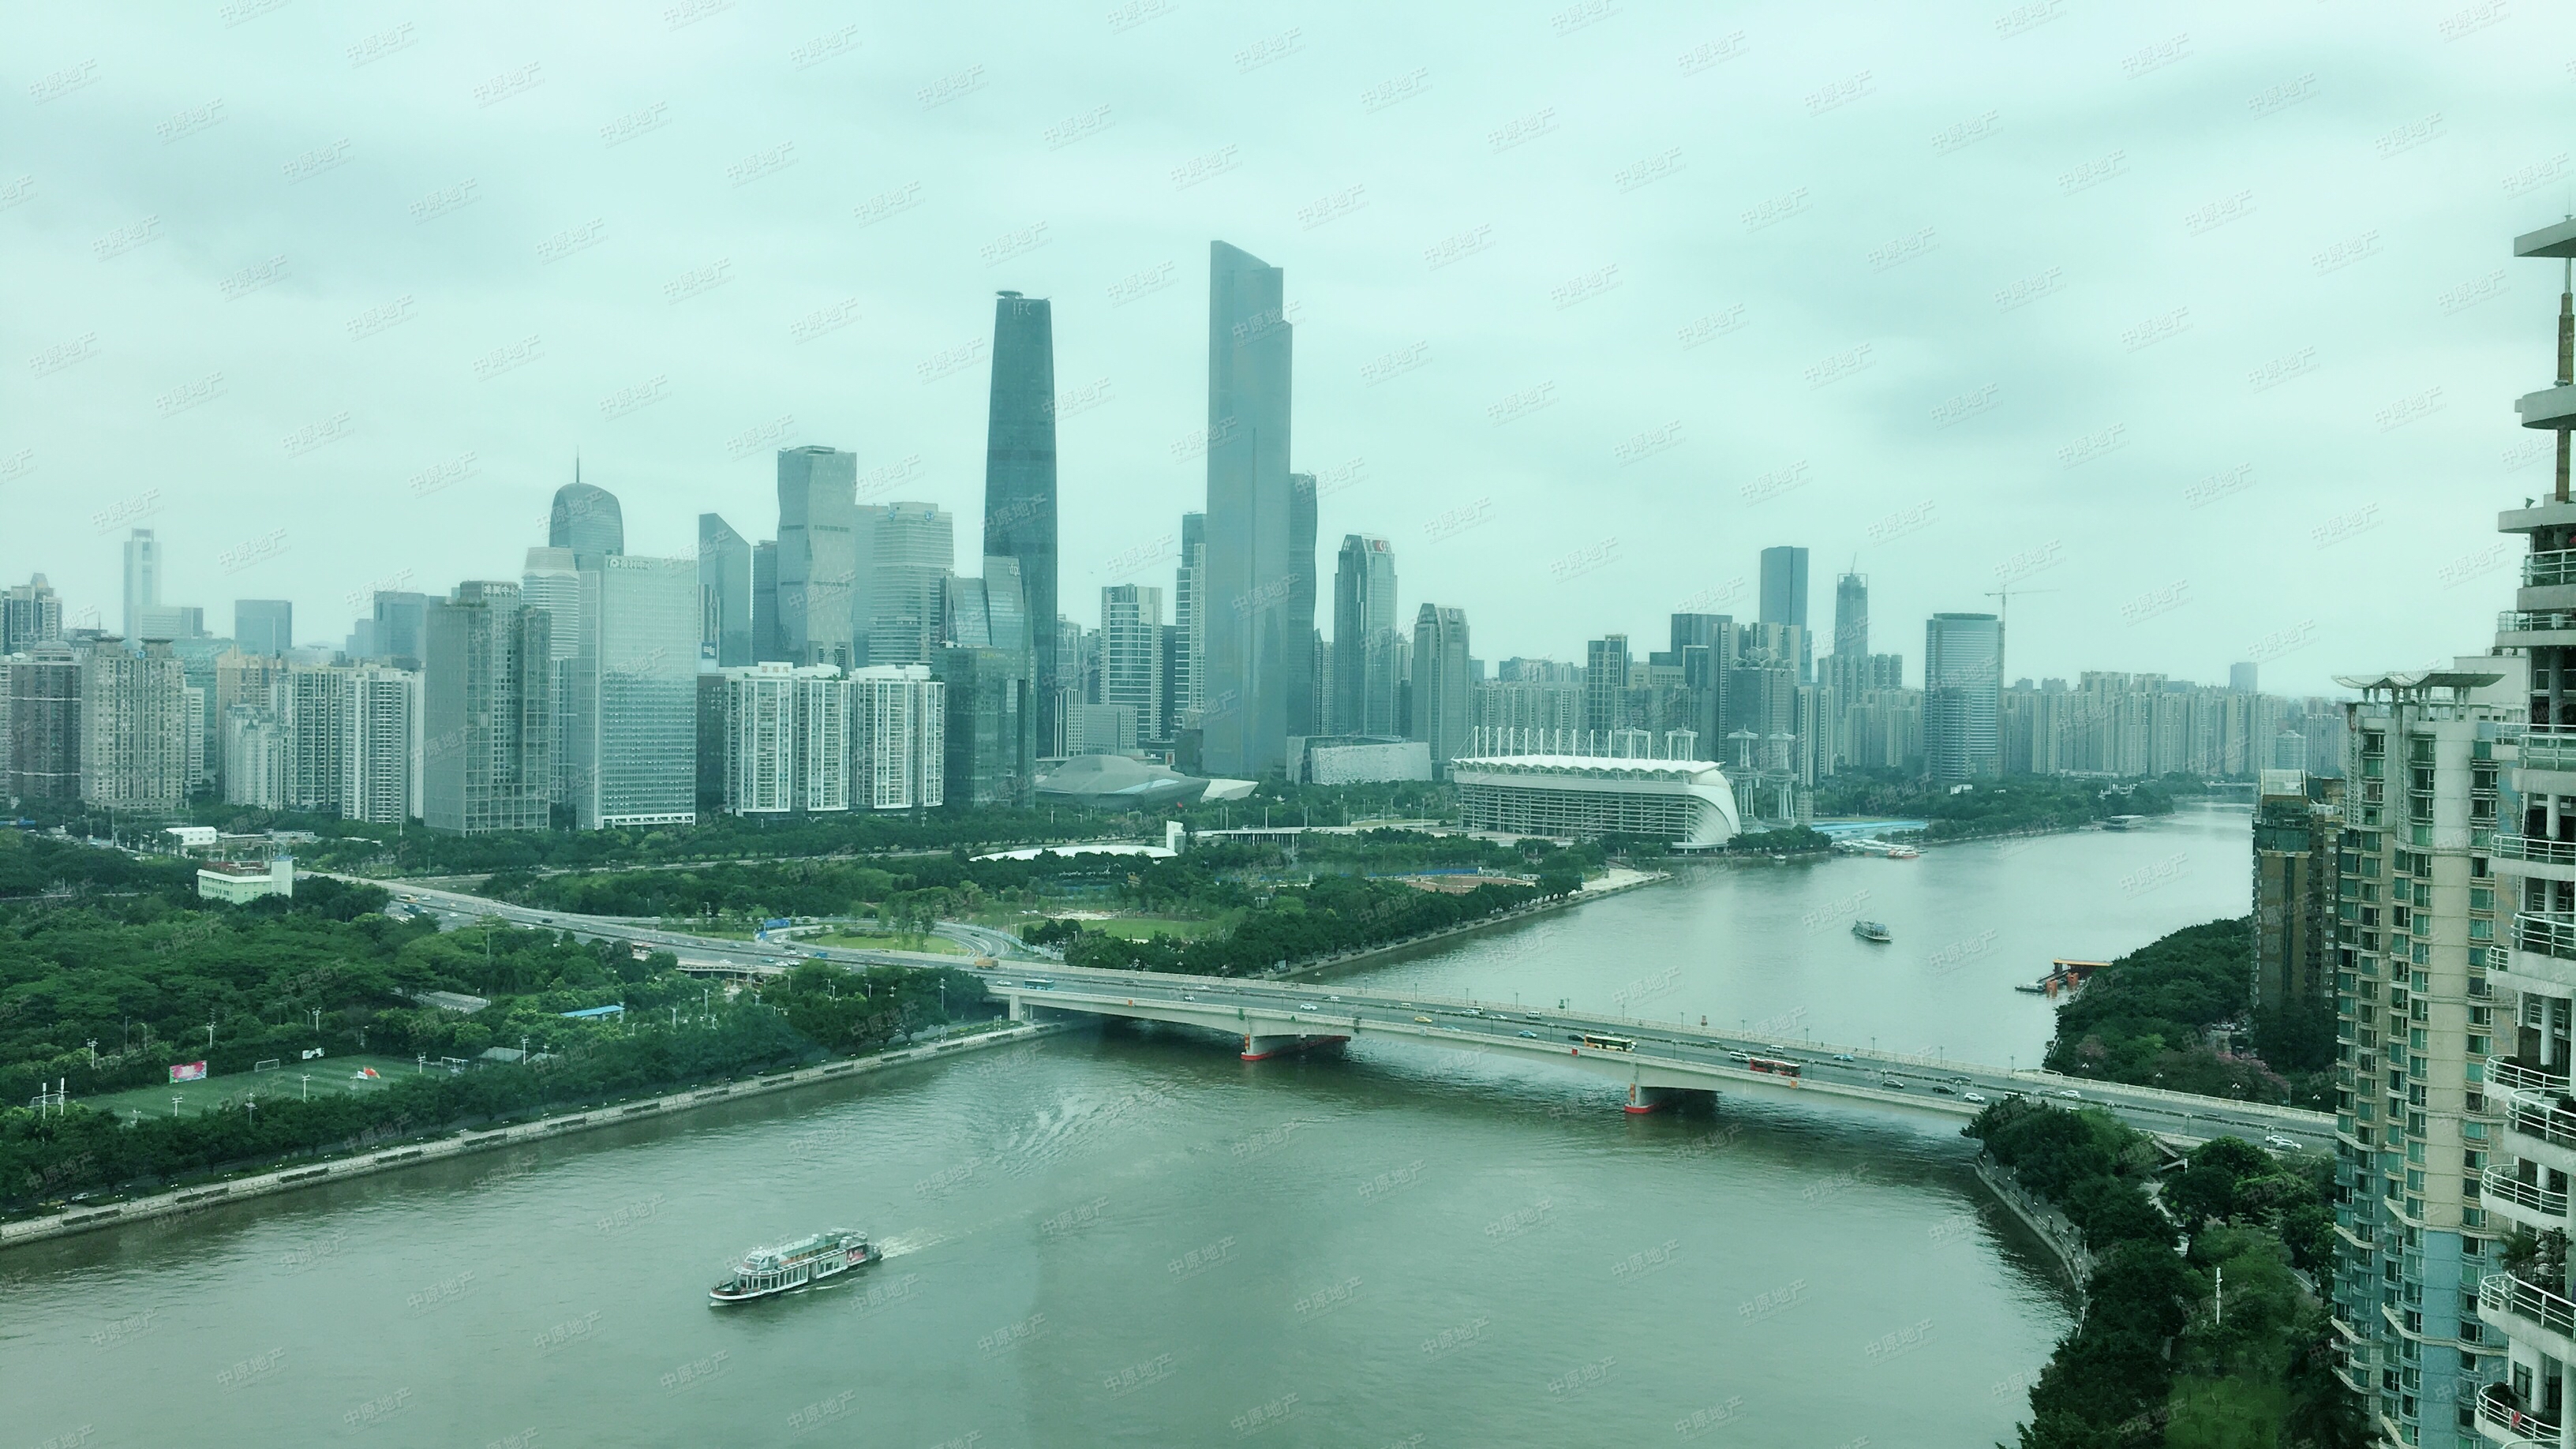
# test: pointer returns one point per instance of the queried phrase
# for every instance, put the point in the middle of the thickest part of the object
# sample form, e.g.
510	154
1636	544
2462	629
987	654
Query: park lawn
2229	1413
330	1074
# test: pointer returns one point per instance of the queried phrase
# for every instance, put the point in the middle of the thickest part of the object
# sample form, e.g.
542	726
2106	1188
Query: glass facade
634	731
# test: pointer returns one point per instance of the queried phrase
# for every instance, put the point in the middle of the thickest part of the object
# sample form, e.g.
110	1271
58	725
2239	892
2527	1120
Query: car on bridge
1426	1021
1533	1036
2285	1144
1977	1097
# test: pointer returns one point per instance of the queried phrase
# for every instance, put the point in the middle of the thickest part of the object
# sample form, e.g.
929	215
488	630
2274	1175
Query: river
1132	1238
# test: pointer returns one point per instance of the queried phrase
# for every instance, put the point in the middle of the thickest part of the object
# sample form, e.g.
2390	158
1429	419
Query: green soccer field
330	1074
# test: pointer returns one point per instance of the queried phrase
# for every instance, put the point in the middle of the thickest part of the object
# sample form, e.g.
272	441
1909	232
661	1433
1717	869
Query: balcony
2532	626
2512	1075
2548	569
2544	934
2541	1131
2529	1204
2546	747
2502	1419
2526	1311
2522	847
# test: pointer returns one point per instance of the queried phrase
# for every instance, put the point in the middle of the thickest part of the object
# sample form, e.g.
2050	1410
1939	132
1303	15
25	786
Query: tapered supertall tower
1019	476
1253	522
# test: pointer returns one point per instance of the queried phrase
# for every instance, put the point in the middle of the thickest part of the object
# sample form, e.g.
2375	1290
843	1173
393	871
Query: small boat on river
791	1267
1873	931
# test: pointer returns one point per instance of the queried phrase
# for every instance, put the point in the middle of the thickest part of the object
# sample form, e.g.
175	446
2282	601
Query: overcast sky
2203	318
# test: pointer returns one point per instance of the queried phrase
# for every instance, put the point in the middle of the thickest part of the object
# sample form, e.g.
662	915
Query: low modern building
235	882
1356	760
1118	782
1688	802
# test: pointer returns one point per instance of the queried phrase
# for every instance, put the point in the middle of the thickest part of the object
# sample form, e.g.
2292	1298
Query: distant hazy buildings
487	712
1784	600
30	613
818	555
1189	617
1131	654
134	737
142	579
1020	473
263	626
1251	516
1605	683
1364	607
1963	665
905	553
633	734
1443	686
1297	625
40	751
766	642
724	593
586	519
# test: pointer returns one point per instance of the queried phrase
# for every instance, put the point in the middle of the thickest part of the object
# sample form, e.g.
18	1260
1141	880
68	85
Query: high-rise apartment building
906	552
1606	666
1963	666
134	737
786	741
1019	471
1784	600
2298	821
898	738
383	754
818	555
1131	653
586	519
30	613
40	755
263	626
1363	607
634	731
142	579
1443	684
724	593
1251	522
487	712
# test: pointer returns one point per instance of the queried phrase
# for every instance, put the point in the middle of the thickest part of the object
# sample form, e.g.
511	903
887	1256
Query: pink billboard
188	1072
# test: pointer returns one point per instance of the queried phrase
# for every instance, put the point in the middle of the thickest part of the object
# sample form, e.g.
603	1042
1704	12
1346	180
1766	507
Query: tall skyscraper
487	712
550	581
1784	598
383	751
1851	614
634	732
1963	668
29	614
134	729
1019	471
40	753
1189	616
1131	654
263	626
1251	520
906	552
1299	626
142	579
724	593
586	519
1363	607
818	555
765	643
1705	647
1605	683
1444	697
2241	678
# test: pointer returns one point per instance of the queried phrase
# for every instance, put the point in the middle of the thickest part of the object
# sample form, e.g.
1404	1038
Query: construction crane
2003	612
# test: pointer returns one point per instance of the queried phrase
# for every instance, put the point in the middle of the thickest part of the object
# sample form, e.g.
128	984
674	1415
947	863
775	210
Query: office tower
1167	691
170	622
586	519
1006	605
40	756
30	613
1443	686
818	557
634	733
766	643
724	593
786	745
361	641
1298	628
401	628
1189	617
382	754
487	712
1386	673
1704	645
1784	599
1019	472
1095	729
1851	614
906	552
142	579
1250	520
2241	677
1963	666
134	729
1363	606
990	724
1131	653
1605	684
263	626
550	580
898	738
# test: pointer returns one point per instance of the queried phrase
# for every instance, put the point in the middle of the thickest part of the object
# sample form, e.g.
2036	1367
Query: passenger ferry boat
766	1272
1872	931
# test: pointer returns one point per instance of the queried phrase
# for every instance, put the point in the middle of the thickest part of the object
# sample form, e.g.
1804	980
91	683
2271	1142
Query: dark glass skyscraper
1784	599
765	645
724	592
1251	522
586	519
1363	607
1300	628
1019	473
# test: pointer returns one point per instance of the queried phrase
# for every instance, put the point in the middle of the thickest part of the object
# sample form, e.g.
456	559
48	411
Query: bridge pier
1258	1048
1643	1099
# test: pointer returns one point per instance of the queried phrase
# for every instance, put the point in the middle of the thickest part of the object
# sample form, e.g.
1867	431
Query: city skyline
2180	315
